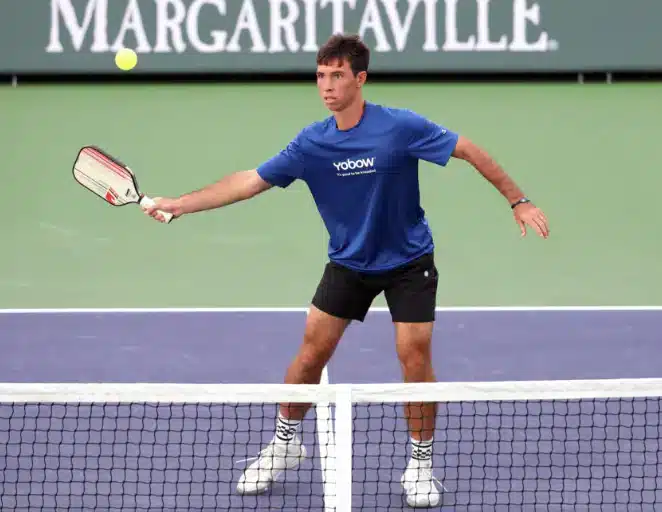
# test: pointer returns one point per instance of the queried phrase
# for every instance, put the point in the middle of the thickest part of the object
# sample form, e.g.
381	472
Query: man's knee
414	348
321	336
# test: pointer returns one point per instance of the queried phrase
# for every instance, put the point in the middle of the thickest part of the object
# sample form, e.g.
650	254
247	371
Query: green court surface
585	153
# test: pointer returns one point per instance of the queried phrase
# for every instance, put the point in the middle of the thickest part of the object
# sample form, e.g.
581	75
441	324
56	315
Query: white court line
442	309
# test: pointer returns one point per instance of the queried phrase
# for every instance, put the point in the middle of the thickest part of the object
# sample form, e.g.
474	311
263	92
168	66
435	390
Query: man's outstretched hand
163	204
526	214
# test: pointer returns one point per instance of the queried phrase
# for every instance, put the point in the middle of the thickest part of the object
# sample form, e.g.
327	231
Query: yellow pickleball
126	59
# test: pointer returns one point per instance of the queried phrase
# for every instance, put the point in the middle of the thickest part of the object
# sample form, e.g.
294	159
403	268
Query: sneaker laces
426	474
268	450
435	479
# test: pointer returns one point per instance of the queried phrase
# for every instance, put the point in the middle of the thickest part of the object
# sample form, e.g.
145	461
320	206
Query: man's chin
333	105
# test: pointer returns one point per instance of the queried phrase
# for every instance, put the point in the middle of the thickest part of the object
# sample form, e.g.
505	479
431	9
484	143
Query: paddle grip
146	201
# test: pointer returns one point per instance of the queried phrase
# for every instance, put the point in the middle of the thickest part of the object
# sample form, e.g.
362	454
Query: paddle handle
146	201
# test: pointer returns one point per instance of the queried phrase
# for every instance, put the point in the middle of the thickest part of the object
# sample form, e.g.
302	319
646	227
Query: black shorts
410	291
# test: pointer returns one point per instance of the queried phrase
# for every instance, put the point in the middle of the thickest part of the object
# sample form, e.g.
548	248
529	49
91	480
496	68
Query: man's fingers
152	211
542	222
537	224
536	220
156	207
534	224
544	226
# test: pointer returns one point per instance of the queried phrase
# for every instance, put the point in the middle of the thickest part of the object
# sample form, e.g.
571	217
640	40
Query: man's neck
350	117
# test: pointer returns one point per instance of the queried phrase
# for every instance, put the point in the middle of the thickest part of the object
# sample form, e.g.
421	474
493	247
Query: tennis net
549	445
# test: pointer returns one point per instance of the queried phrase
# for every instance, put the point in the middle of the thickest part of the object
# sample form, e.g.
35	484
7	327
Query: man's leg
342	296
320	339
413	345
411	296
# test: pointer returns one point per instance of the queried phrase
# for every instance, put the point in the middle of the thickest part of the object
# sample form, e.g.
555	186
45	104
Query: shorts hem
416	320
334	313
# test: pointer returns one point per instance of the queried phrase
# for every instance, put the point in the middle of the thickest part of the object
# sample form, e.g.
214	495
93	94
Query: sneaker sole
411	502
262	490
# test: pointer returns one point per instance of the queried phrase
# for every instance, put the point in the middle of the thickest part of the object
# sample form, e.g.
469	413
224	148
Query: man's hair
348	48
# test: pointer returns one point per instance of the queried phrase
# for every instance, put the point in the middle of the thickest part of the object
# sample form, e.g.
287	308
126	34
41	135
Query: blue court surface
239	346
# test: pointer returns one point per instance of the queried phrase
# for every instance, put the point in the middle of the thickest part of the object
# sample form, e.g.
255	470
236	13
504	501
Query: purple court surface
231	346
255	346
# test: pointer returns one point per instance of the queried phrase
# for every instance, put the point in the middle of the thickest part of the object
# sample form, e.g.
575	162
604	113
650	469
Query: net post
327	448
344	425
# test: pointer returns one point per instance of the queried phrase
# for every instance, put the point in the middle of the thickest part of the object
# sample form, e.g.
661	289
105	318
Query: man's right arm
235	187
280	170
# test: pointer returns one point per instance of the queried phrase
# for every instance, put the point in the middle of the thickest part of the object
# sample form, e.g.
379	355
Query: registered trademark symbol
552	45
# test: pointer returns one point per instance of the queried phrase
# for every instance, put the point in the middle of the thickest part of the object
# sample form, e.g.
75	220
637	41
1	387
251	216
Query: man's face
338	87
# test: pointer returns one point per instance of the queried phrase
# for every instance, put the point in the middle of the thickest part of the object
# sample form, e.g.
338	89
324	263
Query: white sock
286	429
421	450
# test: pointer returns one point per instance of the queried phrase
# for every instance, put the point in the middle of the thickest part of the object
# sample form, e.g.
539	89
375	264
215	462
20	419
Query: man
361	165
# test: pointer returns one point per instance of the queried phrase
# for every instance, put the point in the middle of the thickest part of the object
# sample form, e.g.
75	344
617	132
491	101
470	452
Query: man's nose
327	85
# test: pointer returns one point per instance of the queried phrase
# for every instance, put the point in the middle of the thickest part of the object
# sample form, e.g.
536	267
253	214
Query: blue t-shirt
364	182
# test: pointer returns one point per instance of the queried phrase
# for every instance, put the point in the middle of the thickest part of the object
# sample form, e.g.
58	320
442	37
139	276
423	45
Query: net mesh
556	455
499	446
145	456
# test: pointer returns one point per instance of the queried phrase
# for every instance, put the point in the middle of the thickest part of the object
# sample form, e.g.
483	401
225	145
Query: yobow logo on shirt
357	166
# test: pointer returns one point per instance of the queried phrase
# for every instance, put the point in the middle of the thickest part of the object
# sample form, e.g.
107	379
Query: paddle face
106	177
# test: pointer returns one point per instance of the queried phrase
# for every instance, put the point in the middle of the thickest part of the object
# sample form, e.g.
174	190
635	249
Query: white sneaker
420	485
270	463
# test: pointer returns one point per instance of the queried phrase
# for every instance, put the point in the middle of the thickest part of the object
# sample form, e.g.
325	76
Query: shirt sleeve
429	141
285	167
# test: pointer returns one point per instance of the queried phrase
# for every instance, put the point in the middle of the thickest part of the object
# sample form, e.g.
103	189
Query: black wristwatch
521	201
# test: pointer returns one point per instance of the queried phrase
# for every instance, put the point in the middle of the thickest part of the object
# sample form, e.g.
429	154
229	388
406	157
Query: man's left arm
524	211
434	143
